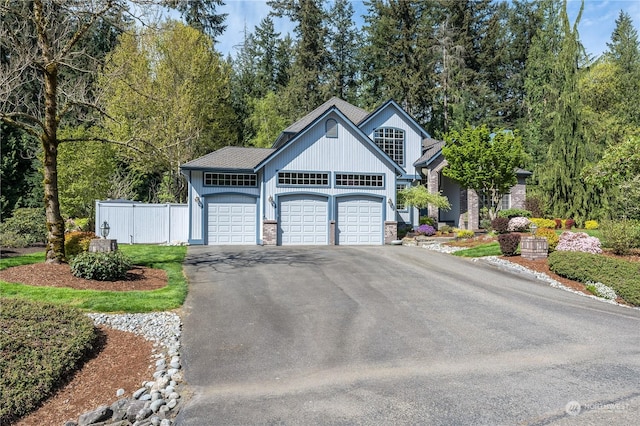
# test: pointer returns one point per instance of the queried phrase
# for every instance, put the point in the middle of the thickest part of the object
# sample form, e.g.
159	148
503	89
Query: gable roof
230	158
352	112
431	149
400	110
319	118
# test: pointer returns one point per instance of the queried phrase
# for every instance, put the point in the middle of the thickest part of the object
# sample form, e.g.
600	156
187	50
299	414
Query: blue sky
598	21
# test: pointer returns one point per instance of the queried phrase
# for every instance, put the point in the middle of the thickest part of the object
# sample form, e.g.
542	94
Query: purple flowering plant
427	230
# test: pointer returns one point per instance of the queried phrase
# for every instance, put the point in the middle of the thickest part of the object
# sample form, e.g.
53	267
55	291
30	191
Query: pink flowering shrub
578	241
518	224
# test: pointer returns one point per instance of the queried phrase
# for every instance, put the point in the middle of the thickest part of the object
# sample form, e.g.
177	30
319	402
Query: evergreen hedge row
619	274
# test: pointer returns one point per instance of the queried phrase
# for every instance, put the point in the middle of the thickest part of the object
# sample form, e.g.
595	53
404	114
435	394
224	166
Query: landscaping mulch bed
121	360
52	275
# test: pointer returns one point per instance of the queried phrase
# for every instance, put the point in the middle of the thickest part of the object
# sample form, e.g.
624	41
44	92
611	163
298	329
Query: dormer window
331	128
391	141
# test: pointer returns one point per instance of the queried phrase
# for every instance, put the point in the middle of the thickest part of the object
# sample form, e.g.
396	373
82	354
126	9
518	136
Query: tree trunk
55	223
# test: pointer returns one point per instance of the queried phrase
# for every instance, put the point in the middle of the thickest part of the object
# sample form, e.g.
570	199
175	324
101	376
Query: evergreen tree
344	41
624	52
395	54
569	152
306	85
201	15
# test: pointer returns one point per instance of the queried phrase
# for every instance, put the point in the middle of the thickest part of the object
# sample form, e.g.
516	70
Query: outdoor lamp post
533	227
104	229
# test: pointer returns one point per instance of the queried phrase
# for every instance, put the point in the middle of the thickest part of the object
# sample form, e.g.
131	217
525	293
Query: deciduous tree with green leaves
419	196
485	161
167	94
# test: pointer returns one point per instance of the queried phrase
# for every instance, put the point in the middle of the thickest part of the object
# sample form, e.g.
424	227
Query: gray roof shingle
352	112
431	147
230	157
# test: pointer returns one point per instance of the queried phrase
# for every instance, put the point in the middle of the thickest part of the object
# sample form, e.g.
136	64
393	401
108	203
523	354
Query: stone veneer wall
269	232
332	233
390	231
519	194
473	204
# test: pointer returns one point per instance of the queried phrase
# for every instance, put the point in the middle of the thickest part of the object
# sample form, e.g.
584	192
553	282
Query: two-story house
330	178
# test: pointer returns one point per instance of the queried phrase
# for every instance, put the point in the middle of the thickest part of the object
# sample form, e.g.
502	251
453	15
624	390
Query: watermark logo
573	408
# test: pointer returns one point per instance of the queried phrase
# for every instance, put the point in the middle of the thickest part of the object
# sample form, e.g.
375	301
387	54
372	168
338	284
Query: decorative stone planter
534	248
102	245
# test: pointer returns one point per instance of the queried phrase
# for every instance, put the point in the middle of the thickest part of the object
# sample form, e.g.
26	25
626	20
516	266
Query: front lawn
486	249
172	296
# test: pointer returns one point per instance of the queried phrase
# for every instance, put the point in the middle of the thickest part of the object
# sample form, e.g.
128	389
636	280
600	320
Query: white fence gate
138	223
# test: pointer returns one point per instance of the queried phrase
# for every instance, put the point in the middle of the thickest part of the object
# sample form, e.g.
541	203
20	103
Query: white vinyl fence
138	223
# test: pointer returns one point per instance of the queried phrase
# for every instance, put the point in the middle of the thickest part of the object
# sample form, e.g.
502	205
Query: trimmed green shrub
427	220
27	226
445	229
543	223
76	242
550	235
500	225
621	236
509	243
510	213
485	224
619	274
111	266
40	344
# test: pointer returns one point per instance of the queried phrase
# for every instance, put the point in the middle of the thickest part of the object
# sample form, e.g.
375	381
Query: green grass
488	249
161	257
40	344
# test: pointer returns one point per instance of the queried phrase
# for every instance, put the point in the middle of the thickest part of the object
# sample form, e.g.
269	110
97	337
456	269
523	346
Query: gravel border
505	264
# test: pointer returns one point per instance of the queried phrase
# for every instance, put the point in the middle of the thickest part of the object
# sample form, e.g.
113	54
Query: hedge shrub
591	224
578	241
464	233
619	274
509	243
550	235
510	213
544	223
518	224
40	343
500	225
621	236
27	226
111	266
76	242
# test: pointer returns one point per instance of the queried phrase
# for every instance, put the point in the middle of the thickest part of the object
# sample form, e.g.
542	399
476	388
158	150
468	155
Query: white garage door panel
303	220
231	220
359	221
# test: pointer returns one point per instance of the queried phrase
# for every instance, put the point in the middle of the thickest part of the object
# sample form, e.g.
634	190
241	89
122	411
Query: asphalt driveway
397	335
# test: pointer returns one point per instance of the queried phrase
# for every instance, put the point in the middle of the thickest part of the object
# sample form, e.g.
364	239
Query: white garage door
231	219
303	220
359	221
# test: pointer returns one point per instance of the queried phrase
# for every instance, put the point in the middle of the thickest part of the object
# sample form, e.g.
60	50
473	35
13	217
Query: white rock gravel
608	293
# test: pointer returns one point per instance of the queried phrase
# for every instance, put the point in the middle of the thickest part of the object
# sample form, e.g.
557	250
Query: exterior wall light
271	201
104	229
197	200
390	201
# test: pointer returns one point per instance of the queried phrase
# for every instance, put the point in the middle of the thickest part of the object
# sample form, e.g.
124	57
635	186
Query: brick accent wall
390	231
269	232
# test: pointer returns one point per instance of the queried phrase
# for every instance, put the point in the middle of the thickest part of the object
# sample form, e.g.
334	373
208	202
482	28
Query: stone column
390	231
270	232
332	233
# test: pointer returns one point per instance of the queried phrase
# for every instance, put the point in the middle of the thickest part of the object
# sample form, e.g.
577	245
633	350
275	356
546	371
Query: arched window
391	141
331	127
